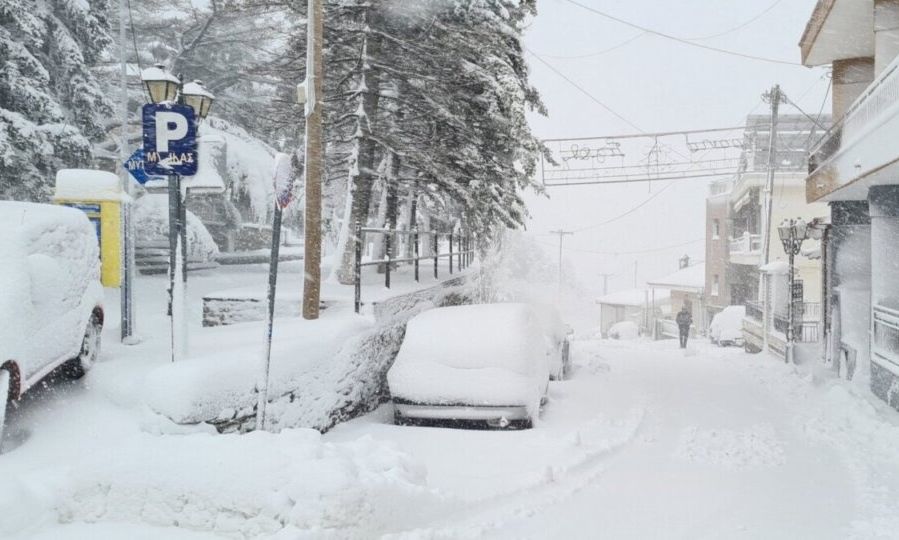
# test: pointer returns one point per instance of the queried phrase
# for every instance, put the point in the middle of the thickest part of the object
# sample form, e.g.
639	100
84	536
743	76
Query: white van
51	300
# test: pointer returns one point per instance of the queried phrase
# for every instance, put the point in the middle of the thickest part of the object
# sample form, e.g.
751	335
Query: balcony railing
748	243
807	320
864	115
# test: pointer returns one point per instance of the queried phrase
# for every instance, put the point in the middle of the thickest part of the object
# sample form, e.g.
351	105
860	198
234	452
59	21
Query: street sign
283	180
135	167
170	139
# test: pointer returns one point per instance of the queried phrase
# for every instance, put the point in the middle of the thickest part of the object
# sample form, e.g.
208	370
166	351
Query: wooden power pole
313	218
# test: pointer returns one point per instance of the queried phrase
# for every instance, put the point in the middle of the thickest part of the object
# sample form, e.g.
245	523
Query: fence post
357	265
415	250
451	253
436	251
461	264
388	245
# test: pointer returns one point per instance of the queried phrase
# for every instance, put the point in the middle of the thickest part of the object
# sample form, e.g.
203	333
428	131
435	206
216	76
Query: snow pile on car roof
486	354
88	184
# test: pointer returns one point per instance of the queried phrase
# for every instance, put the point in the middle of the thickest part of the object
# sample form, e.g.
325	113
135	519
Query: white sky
659	85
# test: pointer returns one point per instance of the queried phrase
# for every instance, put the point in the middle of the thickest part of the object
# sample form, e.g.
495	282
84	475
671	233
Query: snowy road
642	442
646	442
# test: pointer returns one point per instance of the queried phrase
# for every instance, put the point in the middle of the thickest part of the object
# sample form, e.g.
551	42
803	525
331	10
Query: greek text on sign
170	139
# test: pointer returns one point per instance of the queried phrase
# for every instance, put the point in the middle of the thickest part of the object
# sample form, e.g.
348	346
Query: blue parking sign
170	139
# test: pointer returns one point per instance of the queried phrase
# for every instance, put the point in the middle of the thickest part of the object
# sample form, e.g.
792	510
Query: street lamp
792	232
161	85
164	87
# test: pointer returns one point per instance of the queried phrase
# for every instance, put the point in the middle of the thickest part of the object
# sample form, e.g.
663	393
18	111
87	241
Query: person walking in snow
684	320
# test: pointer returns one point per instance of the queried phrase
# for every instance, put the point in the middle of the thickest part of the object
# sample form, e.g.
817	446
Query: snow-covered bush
151	227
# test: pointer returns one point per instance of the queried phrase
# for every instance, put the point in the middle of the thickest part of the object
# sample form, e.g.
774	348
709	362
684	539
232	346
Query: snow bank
489	354
151	227
250	486
221	386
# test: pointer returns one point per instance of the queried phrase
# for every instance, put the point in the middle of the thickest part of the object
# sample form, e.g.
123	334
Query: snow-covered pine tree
51	107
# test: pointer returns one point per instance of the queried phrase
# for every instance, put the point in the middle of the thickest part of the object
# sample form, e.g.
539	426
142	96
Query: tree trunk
362	174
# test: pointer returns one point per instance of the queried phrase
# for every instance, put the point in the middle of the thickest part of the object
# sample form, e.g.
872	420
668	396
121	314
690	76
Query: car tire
90	350
5	393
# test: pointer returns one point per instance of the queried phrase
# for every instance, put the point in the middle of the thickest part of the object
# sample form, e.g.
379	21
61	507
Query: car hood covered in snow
491	354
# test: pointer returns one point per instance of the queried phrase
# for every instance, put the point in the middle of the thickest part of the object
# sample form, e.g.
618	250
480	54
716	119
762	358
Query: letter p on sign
170	133
170	126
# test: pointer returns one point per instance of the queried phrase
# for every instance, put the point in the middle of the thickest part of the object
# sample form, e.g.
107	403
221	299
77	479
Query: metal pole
451	253
357	265
415	250
262	385
788	356
173	255
127	277
314	106
388	241
562	234
461	264
436	252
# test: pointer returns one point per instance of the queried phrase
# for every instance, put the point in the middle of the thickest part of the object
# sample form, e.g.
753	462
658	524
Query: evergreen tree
51	106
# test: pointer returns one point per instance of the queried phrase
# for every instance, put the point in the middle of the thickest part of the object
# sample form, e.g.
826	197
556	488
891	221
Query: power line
682	40
741	25
597	53
629	212
583	90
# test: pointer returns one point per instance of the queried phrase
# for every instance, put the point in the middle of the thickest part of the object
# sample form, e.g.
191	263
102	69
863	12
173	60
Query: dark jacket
684	318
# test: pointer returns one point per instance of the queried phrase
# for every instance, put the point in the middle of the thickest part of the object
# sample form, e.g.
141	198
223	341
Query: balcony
745	249
858	151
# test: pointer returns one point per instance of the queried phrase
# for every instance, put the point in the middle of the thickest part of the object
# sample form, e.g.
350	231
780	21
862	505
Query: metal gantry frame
461	250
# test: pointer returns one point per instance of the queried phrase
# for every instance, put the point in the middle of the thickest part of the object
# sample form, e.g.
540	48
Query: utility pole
774	97
127	279
314	103
562	234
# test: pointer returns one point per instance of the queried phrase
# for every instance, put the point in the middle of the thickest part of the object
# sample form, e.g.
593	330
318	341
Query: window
716	285
716	229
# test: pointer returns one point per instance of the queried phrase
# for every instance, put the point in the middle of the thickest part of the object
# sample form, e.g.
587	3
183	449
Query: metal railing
463	254
806	325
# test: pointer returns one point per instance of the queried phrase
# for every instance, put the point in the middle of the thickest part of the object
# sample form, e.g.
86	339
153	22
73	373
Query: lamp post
792	232
163	87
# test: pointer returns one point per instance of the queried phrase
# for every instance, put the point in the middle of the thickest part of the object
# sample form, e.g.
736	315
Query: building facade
742	238
855	170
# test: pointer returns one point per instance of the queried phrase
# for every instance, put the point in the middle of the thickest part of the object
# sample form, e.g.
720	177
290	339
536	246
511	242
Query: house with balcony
855	170
737	218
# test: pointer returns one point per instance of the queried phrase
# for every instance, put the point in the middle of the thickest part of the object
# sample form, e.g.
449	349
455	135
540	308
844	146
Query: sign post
284	180
170	149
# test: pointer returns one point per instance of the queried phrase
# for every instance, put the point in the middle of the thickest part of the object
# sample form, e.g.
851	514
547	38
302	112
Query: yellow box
99	195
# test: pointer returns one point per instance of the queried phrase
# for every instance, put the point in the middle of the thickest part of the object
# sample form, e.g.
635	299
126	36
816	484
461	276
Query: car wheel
5	387
90	350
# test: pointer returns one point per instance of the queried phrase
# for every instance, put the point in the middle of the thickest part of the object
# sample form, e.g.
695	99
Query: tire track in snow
557	484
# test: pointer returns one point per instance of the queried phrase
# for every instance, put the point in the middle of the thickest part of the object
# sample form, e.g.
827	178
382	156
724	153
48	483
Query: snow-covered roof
632	297
88	184
775	267
690	279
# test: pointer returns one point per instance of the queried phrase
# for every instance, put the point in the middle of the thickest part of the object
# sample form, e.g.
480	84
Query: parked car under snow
726	327
485	363
51	300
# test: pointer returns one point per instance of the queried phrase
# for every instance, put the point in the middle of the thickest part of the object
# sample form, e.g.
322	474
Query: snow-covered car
726	327
558	338
485	363
51	300
624	330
